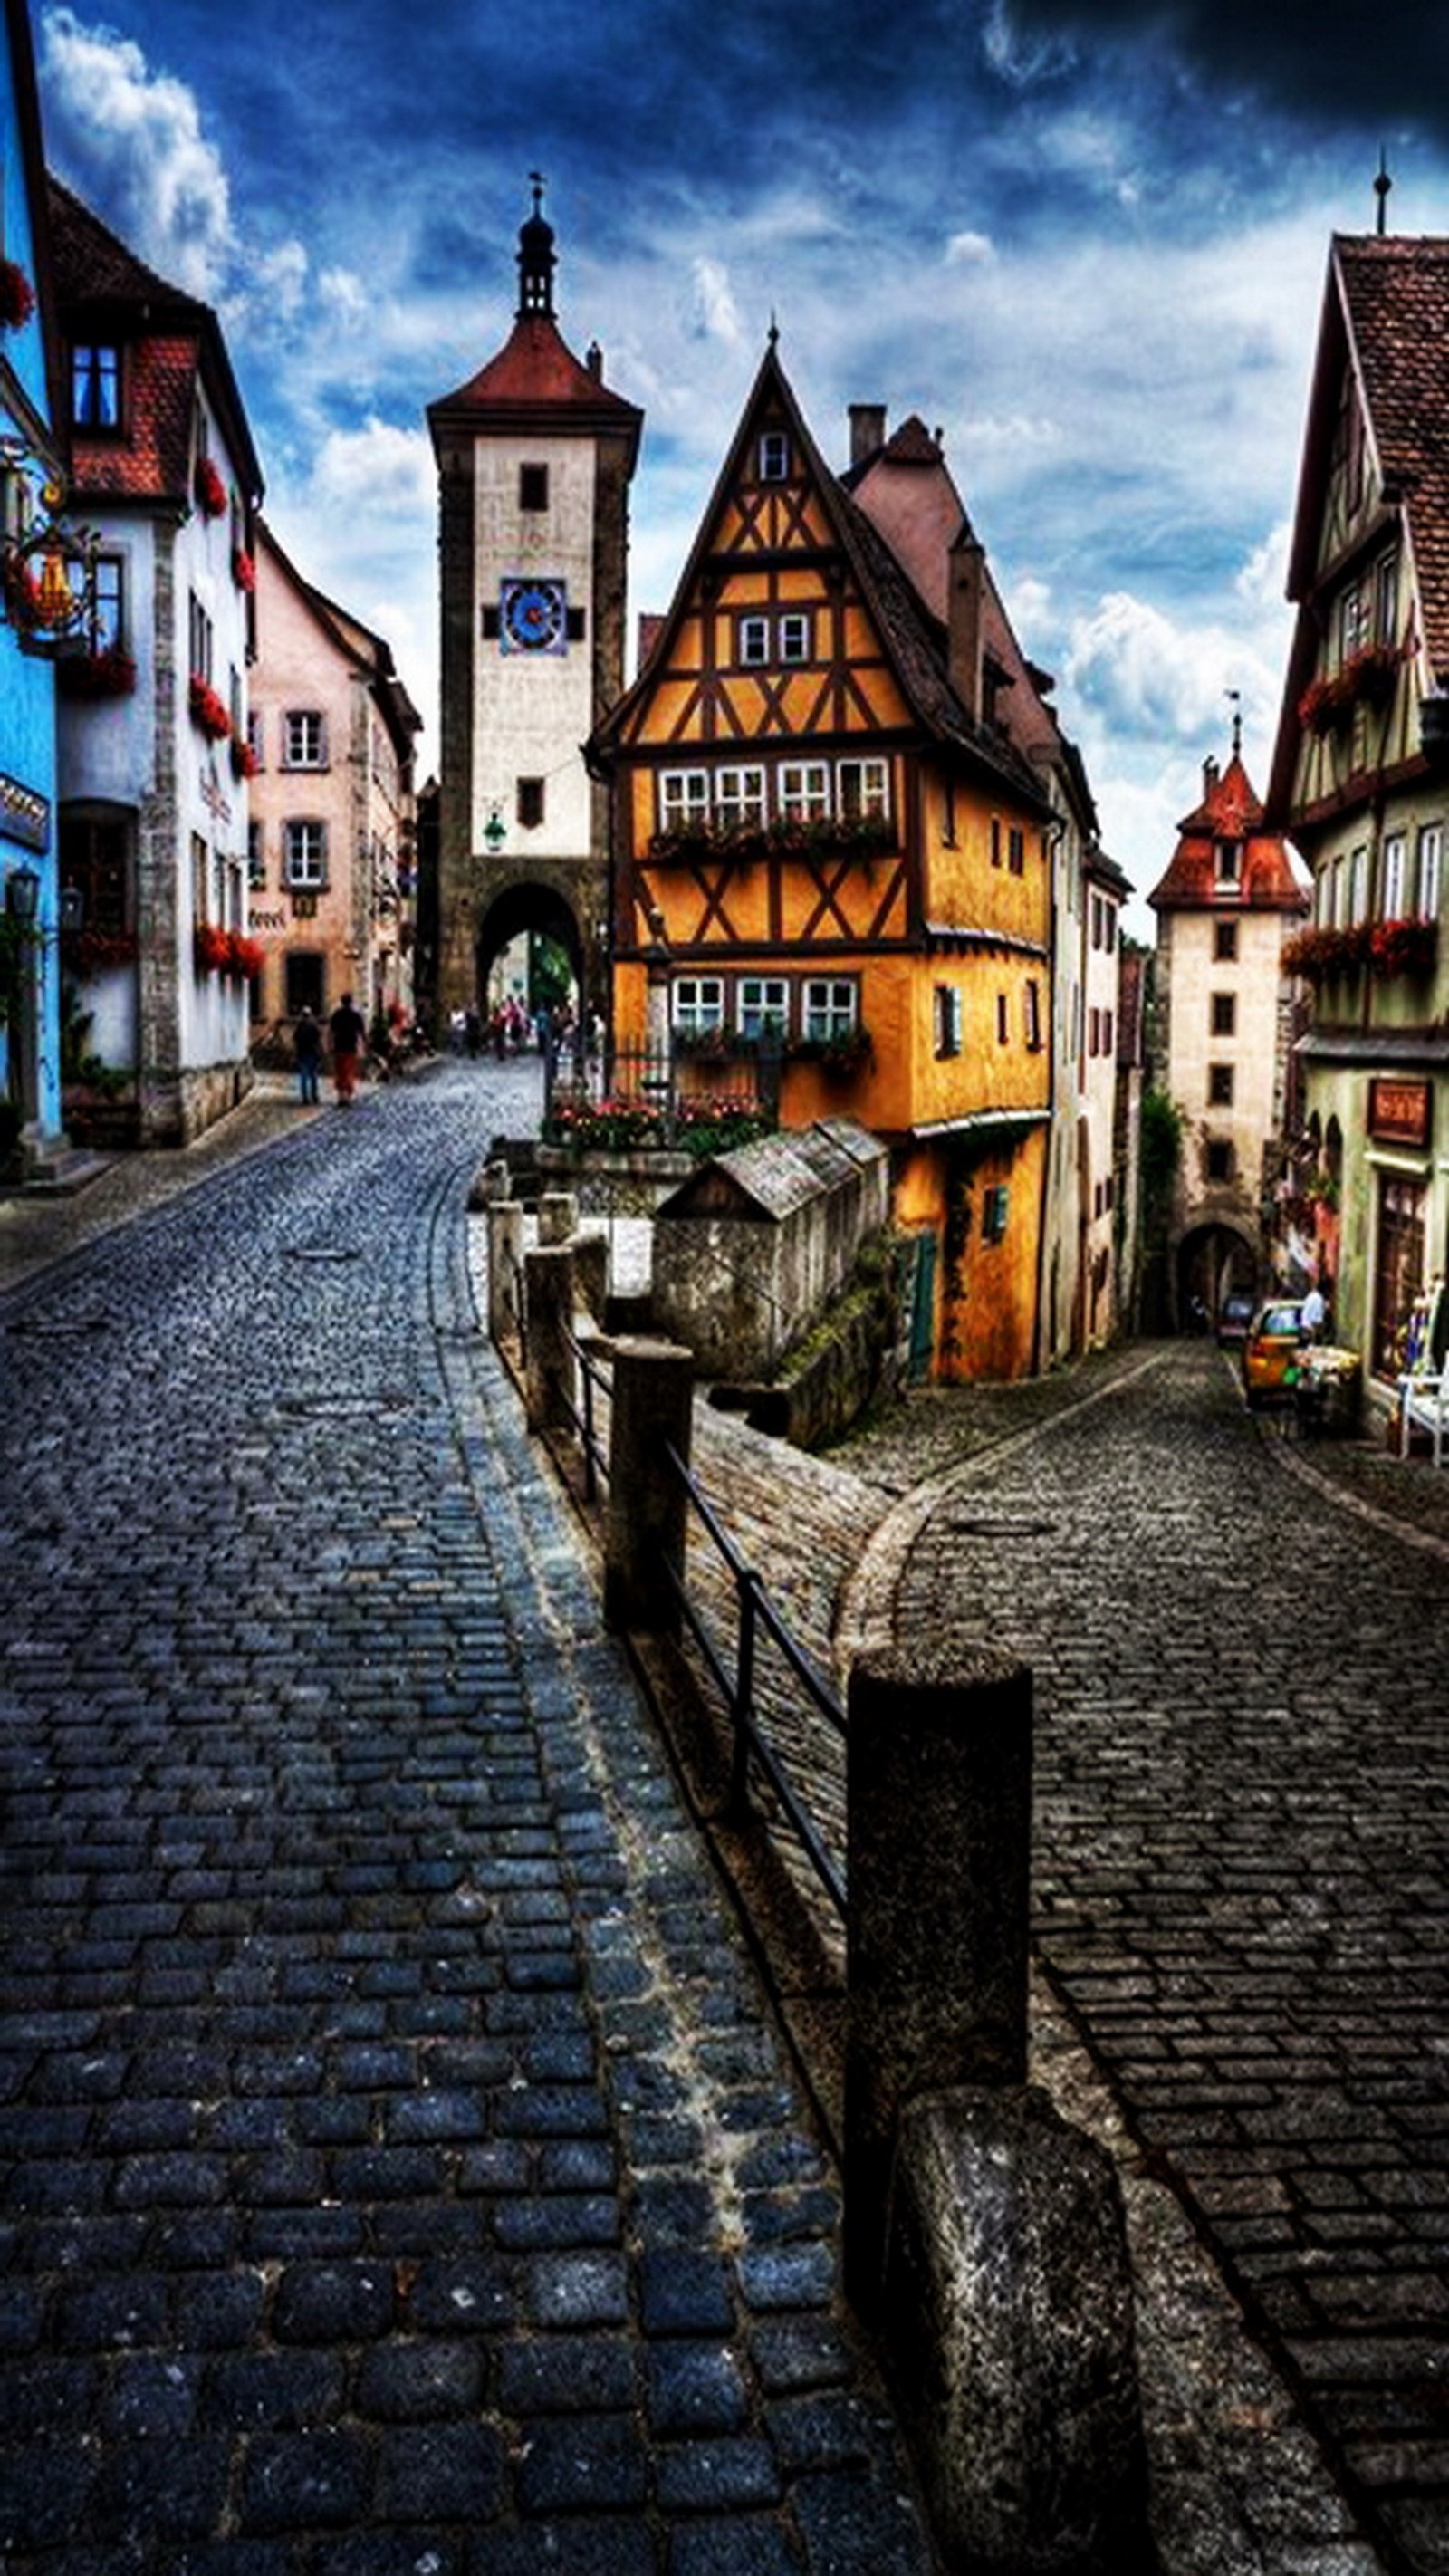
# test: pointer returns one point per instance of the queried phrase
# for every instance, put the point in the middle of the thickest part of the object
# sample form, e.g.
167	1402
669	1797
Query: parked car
1235	1316
1276	1339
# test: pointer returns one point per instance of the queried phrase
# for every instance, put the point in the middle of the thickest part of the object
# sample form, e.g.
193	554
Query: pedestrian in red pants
347	1030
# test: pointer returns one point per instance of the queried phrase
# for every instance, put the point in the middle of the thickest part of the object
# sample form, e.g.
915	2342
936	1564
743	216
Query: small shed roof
766	1182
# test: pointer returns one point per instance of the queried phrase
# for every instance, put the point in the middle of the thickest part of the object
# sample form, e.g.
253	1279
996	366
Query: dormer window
774	456
1226	855
96	385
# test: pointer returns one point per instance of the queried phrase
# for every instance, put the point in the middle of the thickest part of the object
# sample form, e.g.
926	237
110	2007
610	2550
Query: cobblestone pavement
1241	1652
400	2172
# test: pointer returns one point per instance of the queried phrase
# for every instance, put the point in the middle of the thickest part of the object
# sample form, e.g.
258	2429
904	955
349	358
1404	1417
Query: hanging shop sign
1398	1112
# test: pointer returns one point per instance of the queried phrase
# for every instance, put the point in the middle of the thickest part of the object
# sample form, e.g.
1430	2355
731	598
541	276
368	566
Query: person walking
307	1049
348	1031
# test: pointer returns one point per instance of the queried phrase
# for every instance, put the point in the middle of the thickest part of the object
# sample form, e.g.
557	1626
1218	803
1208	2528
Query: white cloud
377	469
712	313
134	143
970	250
345	298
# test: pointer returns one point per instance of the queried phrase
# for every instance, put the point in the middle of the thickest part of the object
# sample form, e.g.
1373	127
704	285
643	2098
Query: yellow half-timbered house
830	853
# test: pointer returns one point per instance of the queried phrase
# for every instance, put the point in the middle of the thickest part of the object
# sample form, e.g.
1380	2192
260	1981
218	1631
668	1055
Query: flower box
244	762
243	570
246	957
211	948
1322	952
208	489
17	295
1406	947
110	673
207	710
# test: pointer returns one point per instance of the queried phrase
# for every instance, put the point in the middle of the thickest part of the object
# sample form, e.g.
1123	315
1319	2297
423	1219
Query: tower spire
536	261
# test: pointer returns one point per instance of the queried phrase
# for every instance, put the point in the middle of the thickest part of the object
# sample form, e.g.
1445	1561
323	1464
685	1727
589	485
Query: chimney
967	583
867	431
1209	776
594	360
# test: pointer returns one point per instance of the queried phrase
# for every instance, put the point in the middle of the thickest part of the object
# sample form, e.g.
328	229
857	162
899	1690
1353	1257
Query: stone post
505	1268
591	1271
653	1403
558	1216
551	1394
938	1835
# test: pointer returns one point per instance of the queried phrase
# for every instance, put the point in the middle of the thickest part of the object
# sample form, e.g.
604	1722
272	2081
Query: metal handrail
756	1611
593	1379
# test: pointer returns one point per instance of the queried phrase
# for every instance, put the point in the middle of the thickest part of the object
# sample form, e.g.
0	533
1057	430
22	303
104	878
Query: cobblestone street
1242	1877
400	2172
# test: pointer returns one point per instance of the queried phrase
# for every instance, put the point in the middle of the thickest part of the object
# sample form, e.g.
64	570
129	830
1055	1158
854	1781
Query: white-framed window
1430	870
804	789
304	739
199	638
946	1017
697	1004
862	787
764	1004
739	797
1352	620
683	798
830	1006
1391	892
1386	600
1358	883
774	456
304	854
109	595
795	635
754	639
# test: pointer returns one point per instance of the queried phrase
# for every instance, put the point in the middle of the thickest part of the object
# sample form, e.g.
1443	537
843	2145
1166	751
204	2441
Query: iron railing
756	1612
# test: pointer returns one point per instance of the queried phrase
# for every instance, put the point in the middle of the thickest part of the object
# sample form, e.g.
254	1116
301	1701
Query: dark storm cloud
1345	62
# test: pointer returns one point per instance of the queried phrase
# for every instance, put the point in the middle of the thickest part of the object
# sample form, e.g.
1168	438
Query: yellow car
1275	1344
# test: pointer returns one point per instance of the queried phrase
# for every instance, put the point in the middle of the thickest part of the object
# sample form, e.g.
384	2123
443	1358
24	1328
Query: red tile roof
536	373
1264	882
1396	296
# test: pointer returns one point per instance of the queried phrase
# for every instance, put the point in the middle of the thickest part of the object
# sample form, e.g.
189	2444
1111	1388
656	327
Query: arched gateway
534	456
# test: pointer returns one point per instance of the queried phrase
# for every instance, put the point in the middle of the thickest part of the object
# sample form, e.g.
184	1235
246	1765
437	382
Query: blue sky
1085	238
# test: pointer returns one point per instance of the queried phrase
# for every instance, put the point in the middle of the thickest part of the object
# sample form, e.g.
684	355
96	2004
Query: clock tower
534	458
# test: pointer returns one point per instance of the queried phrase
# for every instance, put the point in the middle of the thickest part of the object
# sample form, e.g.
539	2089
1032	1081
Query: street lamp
22	896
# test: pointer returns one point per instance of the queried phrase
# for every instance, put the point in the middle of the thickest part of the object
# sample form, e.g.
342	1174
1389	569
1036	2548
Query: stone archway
1214	1261
517	911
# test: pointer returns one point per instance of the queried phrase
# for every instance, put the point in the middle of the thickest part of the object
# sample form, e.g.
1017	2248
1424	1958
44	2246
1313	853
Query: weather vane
1382	184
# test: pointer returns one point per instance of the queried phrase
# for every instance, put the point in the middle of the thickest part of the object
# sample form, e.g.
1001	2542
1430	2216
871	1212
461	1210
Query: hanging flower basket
208	489
110	673
245	957
1407	947
17	295
244	570
244	762
207	710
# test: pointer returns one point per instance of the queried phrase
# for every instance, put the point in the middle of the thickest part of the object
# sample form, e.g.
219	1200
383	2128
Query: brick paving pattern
1242	1876
399	2169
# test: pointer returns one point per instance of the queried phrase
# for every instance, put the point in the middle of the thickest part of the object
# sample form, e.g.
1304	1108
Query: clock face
533	617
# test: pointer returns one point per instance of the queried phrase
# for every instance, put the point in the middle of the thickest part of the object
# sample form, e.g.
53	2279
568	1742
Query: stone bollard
558	1216
551	1376
653	1403
505	1269
984	2237
938	1837
1008	2300
493	1182
591	1273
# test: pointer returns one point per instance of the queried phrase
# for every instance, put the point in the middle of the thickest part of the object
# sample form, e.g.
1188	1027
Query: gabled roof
1384	323
1230	811
102	286
912	638
369	654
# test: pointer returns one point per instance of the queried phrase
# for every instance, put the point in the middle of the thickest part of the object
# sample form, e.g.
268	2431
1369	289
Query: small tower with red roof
1227	903
534	457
